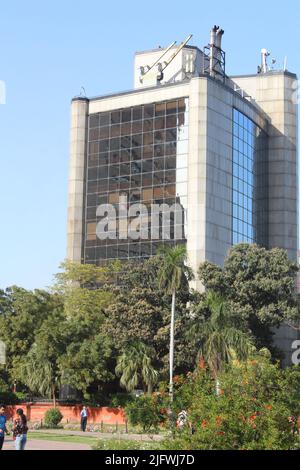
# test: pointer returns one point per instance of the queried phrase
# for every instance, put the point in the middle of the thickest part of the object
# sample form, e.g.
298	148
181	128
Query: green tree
39	375
219	337
82	289
39	369
140	312
173	272
22	314
259	286
86	362
134	366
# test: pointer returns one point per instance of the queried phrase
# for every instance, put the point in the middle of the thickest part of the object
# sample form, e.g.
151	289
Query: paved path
46	445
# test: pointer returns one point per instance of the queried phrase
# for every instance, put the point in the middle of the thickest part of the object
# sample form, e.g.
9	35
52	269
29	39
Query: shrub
145	411
256	410
53	417
22	396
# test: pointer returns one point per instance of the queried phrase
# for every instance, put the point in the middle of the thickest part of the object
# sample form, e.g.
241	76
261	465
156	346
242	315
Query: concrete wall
175	72
35	412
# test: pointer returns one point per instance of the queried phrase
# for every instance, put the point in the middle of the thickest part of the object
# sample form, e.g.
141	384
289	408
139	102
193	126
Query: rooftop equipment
264	61
214	56
158	66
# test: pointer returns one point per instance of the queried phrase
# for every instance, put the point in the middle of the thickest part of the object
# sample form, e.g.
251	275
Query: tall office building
190	155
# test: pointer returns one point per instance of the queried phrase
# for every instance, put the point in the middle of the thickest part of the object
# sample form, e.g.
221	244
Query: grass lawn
61	438
96	443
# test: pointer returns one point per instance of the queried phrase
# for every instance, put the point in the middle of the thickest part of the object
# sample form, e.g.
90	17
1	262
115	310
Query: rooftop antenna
274	61
82	92
285	64
264	60
157	61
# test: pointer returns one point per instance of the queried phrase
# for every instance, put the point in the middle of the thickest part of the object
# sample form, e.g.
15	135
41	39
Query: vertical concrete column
79	115
197	174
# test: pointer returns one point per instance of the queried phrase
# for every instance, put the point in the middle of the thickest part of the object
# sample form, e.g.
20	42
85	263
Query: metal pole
159	59
172	345
176	52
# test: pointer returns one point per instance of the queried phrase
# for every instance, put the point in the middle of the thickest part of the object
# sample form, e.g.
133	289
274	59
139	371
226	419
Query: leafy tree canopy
22	315
260	286
141	312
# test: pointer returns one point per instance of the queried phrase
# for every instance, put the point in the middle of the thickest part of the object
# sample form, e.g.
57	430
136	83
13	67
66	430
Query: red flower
201	364
219	420
204	423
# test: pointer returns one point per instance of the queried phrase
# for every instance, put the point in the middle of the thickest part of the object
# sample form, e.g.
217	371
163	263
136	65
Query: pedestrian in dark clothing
84	418
3	428
20	429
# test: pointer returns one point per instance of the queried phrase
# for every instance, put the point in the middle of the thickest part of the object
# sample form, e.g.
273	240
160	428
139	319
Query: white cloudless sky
48	50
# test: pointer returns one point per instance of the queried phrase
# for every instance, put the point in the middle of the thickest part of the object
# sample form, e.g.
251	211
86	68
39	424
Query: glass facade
137	155
249	181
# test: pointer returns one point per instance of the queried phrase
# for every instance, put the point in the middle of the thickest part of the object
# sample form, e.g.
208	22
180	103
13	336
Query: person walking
84	418
20	429
3	428
182	420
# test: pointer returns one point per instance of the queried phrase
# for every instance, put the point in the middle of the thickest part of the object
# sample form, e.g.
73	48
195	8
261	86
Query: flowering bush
116	444
255	410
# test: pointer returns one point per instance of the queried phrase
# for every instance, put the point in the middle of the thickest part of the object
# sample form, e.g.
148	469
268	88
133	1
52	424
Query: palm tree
39	376
221	341
173	272
134	365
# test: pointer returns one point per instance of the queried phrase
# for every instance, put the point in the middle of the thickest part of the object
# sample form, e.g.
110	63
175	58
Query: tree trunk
53	395
150	389
172	344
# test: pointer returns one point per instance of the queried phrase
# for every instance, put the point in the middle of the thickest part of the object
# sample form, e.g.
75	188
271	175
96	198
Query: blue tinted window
247	140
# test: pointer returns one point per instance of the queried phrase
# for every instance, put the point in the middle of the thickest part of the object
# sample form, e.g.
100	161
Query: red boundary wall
35	412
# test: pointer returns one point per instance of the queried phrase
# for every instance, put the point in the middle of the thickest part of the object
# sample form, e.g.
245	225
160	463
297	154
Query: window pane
142	150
